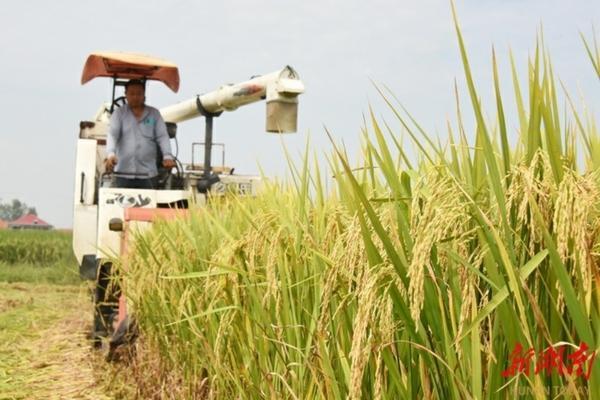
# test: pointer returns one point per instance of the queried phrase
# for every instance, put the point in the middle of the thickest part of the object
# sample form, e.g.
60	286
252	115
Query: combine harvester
103	215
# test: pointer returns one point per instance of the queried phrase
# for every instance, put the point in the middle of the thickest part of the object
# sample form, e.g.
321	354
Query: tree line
14	209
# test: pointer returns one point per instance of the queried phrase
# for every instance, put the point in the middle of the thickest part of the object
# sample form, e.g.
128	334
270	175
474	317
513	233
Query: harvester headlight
115	225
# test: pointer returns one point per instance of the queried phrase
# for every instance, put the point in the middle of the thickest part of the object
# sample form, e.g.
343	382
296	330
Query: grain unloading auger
104	215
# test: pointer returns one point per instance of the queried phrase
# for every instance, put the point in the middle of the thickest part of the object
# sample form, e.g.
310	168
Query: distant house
3	224
29	221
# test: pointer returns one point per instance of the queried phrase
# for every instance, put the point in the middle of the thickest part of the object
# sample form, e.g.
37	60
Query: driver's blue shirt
134	142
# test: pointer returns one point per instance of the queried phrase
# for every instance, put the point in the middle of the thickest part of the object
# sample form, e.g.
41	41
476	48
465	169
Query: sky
338	47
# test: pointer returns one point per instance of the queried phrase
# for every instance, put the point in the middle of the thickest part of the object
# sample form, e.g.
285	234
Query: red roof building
3	224
29	221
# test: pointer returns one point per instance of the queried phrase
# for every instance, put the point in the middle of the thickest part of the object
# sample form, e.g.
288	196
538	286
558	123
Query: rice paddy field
45	313
44	351
37	257
455	268
462	267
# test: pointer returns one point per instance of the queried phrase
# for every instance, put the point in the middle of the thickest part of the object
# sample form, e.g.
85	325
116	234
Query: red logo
578	363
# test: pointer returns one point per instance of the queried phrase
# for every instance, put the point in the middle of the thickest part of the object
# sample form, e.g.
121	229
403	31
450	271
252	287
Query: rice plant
37	257
34	247
414	277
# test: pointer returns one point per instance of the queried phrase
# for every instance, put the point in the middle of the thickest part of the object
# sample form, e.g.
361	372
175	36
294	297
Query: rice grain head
443	214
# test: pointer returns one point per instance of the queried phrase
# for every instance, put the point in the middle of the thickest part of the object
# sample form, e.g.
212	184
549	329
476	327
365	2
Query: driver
136	130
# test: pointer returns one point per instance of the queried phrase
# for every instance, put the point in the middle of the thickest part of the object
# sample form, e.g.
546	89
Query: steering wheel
118	102
165	173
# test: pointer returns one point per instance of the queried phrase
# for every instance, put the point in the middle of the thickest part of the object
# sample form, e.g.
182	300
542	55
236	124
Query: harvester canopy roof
130	66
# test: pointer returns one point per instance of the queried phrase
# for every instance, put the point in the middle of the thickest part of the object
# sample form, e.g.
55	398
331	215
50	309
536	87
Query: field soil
44	349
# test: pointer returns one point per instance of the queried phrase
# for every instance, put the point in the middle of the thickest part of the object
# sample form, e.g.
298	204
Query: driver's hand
109	163
168	163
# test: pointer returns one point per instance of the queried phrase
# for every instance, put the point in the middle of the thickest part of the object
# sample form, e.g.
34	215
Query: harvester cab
103	212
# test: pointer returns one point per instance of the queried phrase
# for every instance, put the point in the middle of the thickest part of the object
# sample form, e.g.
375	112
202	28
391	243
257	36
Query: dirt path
44	352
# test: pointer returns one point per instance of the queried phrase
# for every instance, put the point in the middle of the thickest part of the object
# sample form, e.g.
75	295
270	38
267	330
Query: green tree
14	209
